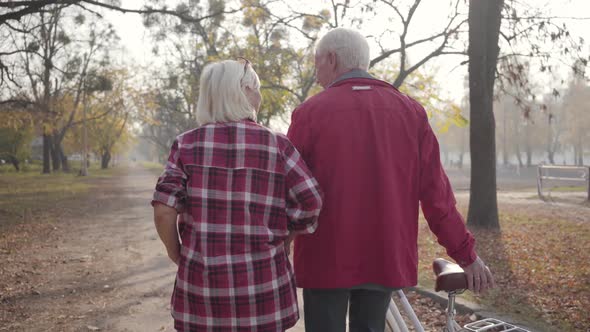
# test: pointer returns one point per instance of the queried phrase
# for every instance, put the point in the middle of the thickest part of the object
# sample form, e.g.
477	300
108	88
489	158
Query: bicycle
450	278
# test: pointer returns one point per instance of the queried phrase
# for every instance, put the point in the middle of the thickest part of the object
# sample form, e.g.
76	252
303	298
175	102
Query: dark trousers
325	310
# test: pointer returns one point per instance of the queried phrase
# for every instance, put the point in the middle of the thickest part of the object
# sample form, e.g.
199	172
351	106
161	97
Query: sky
430	16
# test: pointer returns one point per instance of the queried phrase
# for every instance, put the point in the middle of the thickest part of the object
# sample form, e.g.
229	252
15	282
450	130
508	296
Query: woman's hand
165	220
174	256
288	242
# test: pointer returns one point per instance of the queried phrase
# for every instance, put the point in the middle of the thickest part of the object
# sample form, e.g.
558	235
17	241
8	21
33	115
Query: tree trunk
550	151
504	138
462	152
46	154
580	153
529	157
484	29
65	165
518	154
551	157
106	158
14	161
527	145
55	155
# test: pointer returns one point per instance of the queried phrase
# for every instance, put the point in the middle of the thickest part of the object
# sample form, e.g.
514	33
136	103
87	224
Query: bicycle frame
450	278
396	323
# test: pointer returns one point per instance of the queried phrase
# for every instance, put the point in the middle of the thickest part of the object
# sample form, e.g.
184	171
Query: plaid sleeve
171	186
304	196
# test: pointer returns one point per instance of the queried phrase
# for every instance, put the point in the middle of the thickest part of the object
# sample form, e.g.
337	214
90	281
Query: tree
61	51
286	72
576	105
110	133
445	41
187	47
275	60
347	13
109	117
16	134
39	65
520	117
17	11
456	139
84	79
484	31
14	145
511	124
163	121
553	113
422	85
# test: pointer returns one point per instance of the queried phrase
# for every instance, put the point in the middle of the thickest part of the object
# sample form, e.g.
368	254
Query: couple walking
345	183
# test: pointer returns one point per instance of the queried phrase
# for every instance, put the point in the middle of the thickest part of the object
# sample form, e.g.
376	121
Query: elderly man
377	159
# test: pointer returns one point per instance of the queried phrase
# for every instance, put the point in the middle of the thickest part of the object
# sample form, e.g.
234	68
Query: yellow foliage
15	119
426	90
108	117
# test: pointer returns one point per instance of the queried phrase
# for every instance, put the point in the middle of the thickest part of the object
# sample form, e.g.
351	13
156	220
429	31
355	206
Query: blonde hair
351	48
221	95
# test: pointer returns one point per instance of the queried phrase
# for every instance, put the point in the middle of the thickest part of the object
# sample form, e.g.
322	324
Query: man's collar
355	73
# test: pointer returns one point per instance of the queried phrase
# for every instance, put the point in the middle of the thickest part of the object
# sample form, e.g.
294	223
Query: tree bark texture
484	29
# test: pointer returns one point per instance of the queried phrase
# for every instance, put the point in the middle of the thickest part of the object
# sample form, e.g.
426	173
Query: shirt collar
355	73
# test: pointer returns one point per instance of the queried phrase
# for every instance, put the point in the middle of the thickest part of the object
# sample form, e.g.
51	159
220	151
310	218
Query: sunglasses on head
246	62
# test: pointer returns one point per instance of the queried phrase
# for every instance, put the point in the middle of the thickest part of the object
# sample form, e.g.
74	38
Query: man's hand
479	277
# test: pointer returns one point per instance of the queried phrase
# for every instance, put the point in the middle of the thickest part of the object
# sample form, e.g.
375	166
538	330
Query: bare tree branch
280	87
521	18
19	103
451	28
31	7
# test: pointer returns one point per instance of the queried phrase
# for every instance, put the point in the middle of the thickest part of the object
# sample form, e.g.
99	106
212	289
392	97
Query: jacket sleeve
438	202
298	132
171	187
303	193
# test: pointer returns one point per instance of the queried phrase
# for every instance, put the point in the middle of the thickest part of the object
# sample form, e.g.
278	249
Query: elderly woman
240	193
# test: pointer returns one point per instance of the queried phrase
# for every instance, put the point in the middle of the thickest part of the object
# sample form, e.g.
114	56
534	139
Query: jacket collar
359	76
355	73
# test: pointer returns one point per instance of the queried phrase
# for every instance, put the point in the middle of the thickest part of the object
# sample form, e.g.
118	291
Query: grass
570	188
36	166
155	168
31	167
540	266
27	194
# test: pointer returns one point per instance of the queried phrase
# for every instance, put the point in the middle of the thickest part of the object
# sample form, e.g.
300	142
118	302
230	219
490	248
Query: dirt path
104	269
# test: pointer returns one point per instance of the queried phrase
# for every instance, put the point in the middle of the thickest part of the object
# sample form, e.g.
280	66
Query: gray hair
221	98
351	48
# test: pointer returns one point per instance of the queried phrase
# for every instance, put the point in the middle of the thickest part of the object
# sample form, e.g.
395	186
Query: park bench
552	174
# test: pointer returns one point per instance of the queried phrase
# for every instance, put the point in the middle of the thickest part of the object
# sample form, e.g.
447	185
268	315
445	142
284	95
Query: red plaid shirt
239	190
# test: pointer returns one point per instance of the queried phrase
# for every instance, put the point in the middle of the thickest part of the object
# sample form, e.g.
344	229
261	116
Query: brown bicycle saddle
449	276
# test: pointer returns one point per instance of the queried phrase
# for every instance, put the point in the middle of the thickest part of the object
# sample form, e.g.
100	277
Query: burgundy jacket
377	160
